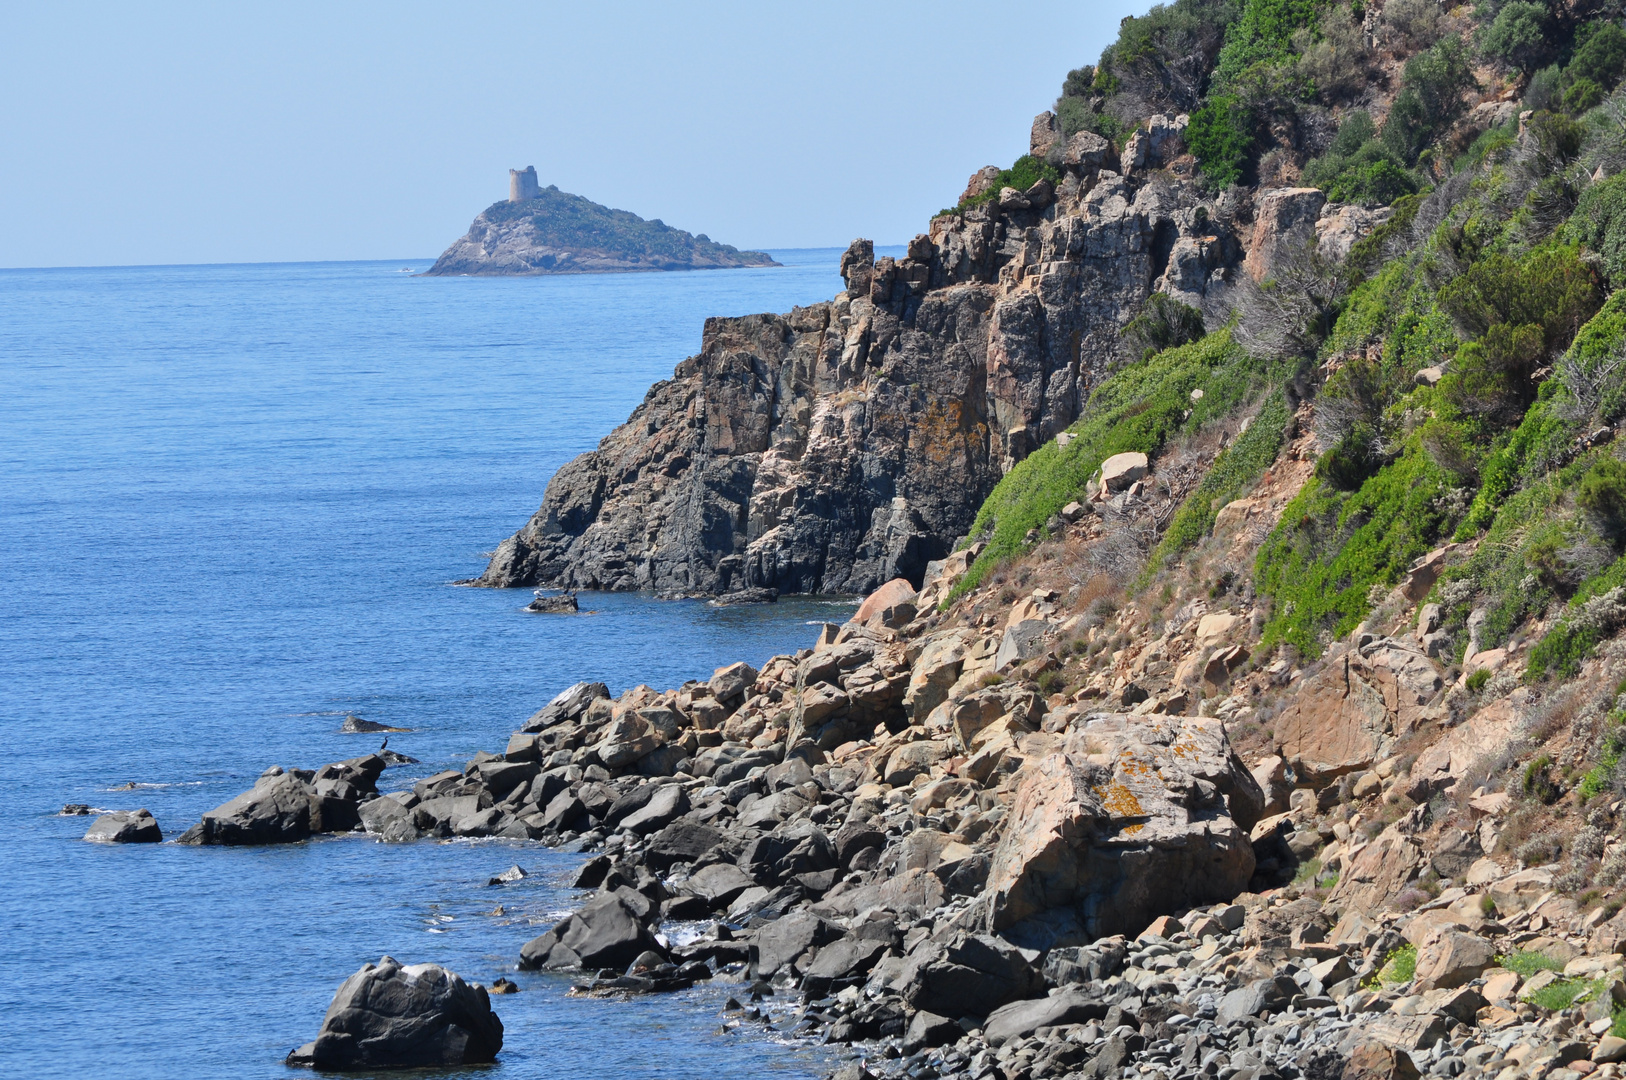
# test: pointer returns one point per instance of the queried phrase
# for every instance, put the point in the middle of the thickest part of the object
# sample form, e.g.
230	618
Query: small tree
1518	35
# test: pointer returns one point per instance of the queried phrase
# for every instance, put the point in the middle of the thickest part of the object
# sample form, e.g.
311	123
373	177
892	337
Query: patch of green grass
1618	1028
1331	546
1138	409
1398	968
1560	995
1477	681
1525	964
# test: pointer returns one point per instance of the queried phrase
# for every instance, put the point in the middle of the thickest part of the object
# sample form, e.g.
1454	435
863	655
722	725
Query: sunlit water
232	501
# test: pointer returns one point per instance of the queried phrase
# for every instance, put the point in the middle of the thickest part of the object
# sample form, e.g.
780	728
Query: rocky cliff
556	232
846	443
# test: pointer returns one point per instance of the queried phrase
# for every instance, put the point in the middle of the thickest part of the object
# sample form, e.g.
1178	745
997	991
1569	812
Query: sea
233	503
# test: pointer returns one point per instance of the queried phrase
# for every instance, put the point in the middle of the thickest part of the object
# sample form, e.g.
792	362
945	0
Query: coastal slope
555	232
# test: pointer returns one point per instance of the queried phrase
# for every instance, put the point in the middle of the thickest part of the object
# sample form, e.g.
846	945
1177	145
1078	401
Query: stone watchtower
523	185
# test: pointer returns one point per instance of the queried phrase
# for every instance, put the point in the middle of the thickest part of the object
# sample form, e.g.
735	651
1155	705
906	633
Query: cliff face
556	232
843	444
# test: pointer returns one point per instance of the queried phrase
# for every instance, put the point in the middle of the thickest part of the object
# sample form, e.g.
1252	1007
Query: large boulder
1022	1018
609	932
125	827
569	705
1138	816
394	1016
968	975
276	810
893	604
1334	725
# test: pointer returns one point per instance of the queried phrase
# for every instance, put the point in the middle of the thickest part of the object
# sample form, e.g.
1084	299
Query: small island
547	231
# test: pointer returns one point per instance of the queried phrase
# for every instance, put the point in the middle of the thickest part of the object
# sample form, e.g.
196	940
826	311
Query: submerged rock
554	604
390	1016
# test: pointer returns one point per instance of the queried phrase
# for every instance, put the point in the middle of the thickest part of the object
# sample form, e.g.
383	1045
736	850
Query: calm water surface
232	500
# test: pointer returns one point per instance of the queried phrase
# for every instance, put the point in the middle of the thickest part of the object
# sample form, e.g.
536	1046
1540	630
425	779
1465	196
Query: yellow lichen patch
1119	801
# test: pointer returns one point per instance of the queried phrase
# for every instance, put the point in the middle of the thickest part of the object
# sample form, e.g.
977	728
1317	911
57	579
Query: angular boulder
969	975
1121	470
394	1016
277	810
1136	817
125	827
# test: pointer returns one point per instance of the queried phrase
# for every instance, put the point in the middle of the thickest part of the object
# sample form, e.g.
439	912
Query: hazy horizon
138	138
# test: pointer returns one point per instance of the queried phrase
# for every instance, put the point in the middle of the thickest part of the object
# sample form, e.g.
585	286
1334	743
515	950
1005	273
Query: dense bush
1519	35
1163	323
1220	135
1602	495
1358	168
1263	34
1430	100
1600	224
1600	55
1333	56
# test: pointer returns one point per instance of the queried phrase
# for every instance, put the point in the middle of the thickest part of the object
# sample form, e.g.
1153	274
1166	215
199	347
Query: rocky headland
554	232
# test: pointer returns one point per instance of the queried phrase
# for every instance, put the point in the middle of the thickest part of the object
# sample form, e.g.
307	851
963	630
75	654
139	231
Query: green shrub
1162	59
1333	545
1560	995
1220	136
1358	168
1400	967
1518	35
1600	58
1430	100
1603	495
1538	781
1551	289
1477	681
1263	34
1163	323
1526	964
1600	224
1581	627
1583	95
1027	171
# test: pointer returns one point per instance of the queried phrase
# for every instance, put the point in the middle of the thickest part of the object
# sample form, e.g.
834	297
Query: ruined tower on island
523	185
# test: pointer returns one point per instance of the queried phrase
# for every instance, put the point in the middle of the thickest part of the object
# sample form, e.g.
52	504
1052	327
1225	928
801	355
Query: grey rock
125	827
390	1016
1022	1018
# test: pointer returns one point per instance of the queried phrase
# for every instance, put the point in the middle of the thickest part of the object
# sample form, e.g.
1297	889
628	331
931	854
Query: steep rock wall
849	442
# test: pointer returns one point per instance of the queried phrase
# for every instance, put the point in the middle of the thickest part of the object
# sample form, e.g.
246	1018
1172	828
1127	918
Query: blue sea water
232	502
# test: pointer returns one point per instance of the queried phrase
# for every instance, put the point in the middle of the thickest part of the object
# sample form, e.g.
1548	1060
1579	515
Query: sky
203	133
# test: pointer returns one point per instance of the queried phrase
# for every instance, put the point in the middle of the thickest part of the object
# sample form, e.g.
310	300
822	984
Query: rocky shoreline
961	876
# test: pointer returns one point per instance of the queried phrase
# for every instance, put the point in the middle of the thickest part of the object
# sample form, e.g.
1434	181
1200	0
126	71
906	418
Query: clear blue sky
169	132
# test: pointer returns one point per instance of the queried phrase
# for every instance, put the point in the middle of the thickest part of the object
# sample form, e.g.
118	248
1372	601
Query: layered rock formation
555	232
851	442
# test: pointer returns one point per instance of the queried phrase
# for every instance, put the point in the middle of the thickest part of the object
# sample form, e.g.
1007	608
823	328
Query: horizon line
430	260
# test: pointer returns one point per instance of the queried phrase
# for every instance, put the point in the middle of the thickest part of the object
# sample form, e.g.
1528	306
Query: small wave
143	785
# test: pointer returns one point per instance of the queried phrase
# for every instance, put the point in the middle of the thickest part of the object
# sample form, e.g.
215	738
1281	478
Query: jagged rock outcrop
851	442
